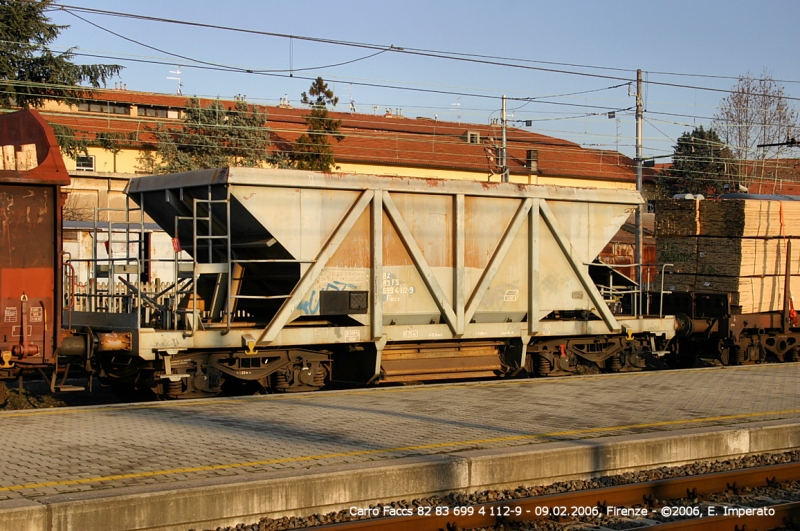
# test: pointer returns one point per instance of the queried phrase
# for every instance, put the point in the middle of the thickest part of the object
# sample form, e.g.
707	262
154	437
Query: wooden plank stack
677	217
735	246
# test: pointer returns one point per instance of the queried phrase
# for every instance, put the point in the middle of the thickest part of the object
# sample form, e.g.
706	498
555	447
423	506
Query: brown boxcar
31	176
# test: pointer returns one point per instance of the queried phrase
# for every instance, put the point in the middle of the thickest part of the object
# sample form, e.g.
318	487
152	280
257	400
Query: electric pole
639	233
503	156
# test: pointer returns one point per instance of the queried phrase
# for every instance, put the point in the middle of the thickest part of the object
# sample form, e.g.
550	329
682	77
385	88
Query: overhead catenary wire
473	160
366	84
538	99
458	55
422	142
233	68
395	49
579	116
443	124
462	54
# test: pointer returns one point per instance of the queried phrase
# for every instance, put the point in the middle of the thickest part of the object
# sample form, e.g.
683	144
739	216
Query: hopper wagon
289	280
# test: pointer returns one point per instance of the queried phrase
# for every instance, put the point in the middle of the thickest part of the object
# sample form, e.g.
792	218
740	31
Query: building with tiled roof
777	176
388	144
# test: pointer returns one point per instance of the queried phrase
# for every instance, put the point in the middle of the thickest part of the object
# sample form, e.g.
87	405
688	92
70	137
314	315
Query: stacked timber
676	217
735	246
749	218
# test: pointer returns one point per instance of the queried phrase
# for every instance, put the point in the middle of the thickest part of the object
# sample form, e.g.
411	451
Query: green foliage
29	72
212	137
69	143
281	160
701	164
114	142
313	151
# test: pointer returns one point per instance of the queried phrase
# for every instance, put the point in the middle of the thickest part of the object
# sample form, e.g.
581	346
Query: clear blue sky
610	38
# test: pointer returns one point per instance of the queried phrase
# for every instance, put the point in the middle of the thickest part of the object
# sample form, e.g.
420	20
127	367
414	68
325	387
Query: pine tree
29	72
313	151
701	164
212	137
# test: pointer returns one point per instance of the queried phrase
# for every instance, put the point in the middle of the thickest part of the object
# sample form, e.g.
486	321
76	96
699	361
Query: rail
646	495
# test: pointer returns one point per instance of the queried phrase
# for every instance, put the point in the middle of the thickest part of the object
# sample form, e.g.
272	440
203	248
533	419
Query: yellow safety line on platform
355	453
293	396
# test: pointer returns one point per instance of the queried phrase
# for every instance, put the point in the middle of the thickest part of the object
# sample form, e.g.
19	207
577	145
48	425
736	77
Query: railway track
745	499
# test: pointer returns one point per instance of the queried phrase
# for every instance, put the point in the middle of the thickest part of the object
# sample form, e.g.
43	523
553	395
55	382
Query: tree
29	72
313	151
755	112
212	137
701	164
69	143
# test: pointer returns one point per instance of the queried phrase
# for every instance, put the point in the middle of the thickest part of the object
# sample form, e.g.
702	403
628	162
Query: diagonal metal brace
497	258
577	266
289	305
417	257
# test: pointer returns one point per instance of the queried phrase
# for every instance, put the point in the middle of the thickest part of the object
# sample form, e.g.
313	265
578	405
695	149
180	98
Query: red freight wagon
31	176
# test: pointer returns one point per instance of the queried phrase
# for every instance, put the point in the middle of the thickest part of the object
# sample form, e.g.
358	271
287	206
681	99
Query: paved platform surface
47	452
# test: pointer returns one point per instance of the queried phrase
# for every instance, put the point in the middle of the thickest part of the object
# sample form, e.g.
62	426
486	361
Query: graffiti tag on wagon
310	306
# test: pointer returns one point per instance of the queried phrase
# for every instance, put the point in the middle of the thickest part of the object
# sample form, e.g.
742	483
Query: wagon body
31	176
425	276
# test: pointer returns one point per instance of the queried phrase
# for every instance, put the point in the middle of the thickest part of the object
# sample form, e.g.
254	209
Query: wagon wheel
725	355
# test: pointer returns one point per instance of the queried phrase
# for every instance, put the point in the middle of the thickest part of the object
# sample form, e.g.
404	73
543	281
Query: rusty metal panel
31	176
623	253
27	269
26	128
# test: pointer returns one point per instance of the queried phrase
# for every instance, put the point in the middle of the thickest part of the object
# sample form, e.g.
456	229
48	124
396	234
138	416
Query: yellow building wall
430	173
127	161
57	106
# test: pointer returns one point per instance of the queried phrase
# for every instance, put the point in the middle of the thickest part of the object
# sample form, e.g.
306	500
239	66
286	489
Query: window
104	108
473	137
153	112
533	160
85	163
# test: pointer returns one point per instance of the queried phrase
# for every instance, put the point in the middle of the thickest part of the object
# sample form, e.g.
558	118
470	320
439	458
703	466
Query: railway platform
200	464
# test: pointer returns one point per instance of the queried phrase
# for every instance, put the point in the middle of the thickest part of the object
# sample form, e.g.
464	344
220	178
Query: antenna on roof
458	106
177	72
352	103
